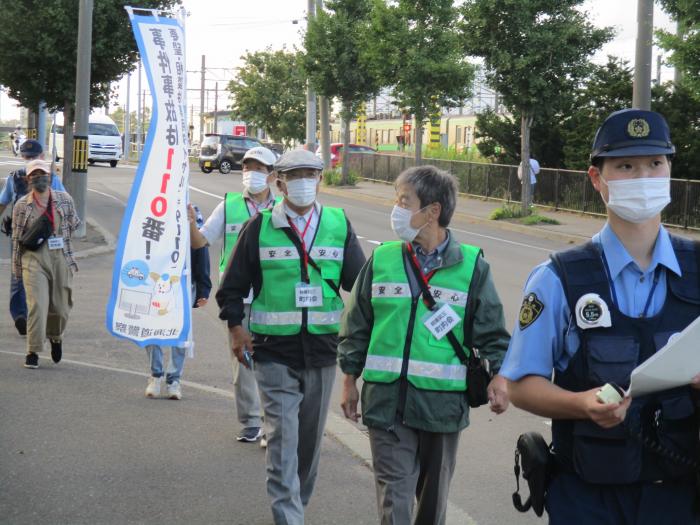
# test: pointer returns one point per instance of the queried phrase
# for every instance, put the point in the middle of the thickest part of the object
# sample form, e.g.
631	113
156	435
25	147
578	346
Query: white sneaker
174	390
153	388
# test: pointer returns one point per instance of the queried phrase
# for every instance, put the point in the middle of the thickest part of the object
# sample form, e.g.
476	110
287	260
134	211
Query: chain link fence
566	190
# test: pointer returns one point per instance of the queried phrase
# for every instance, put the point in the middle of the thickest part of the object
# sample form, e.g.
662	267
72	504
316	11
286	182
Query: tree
40	40
685	44
534	51
336	62
269	93
416	49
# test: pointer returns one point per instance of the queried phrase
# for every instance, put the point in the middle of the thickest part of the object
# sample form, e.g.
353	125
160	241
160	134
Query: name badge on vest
55	243
440	322
308	296
592	312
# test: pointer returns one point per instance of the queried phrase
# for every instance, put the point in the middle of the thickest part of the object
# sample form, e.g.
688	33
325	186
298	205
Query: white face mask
401	223
638	200
255	181
302	192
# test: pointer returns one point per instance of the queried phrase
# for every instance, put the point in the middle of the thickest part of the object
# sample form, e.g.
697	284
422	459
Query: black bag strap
430	303
297	243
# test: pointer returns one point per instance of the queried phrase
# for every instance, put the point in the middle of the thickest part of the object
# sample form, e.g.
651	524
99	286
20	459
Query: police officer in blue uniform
589	316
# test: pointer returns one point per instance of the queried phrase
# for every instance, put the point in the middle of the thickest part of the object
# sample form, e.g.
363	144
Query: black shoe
21	325
56	351
31	361
250	434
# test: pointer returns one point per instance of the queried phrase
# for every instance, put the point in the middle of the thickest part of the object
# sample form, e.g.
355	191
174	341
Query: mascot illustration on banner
164	292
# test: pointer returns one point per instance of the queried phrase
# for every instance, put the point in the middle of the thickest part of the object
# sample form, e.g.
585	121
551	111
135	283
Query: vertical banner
150	300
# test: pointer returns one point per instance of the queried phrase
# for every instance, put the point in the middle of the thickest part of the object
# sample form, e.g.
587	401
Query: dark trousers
18	299
571	500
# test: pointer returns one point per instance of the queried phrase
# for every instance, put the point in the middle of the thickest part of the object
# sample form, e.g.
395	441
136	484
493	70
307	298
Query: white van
104	139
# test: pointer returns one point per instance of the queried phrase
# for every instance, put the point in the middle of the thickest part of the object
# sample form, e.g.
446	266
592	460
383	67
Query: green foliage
39	40
685	47
334	177
511	211
440	152
534	50
416	49
270	93
118	117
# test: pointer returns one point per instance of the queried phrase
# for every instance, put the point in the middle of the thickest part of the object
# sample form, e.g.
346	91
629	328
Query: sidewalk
574	228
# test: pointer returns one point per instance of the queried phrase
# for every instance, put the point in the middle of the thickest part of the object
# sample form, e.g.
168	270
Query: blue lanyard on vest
657	275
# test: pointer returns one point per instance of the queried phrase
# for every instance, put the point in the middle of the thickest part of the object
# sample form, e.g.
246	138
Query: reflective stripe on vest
236	214
274	310
431	363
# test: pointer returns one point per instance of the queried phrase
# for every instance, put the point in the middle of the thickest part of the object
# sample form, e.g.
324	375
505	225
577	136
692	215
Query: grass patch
333	177
515	212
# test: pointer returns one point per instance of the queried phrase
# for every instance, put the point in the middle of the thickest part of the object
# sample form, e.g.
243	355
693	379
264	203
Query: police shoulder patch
530	310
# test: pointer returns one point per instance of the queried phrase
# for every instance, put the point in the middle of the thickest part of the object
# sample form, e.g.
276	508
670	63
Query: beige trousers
48	283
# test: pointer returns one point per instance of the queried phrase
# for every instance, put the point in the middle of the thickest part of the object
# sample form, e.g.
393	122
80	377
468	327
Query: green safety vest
235	215
274	310
400	342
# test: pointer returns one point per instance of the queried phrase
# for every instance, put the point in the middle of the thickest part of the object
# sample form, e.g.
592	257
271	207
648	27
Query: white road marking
12	163
455	515
108	195
206	192
506	241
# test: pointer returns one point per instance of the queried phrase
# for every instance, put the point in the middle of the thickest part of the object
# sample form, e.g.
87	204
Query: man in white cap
296	257
225	224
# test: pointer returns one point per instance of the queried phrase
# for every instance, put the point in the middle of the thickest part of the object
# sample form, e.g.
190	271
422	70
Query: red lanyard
47	210
426	278
302	235
264	206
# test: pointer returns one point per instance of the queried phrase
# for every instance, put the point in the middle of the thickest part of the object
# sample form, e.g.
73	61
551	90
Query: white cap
261	154
38	164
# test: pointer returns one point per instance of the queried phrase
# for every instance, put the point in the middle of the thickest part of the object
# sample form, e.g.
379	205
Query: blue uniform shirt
7	195
552	339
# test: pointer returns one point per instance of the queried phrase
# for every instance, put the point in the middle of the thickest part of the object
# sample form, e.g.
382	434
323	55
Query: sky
223	30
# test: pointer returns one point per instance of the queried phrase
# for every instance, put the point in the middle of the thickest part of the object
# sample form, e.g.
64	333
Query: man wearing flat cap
296	257
589	316
15	188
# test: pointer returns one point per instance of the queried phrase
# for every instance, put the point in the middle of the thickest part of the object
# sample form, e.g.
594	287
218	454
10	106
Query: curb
474	219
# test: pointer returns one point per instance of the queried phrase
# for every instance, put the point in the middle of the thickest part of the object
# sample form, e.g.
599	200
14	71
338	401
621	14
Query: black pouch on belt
37	233
536	458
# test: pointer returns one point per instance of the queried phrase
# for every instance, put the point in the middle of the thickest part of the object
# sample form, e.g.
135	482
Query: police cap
632	133
298	159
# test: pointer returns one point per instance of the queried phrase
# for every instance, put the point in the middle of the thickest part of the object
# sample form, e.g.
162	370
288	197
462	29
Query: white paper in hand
674	365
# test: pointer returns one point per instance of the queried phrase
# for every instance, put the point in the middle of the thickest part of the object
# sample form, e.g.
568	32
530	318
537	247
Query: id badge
441	321
308	296
55	243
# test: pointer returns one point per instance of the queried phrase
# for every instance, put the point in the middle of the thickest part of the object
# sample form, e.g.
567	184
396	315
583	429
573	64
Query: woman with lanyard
43	222
400	340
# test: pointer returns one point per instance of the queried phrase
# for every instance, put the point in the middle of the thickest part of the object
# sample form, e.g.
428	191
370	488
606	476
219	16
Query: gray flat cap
297	159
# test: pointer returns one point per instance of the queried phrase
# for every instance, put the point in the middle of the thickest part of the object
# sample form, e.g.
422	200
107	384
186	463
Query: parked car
224	152
105	141
337	152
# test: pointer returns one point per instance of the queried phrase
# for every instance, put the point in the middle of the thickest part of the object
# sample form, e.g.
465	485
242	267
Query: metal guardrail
557	189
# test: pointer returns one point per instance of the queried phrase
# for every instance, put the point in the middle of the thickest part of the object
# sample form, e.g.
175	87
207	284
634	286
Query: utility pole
641	94
677	73
216	107
77	182
127	120
139	115
310	94
41	125
325	119
201	103
658	70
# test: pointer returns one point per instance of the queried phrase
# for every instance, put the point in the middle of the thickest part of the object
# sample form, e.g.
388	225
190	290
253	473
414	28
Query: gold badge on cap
638	128
530	310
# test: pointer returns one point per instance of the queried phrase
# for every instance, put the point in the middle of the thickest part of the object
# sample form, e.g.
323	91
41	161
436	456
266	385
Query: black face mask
39	183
